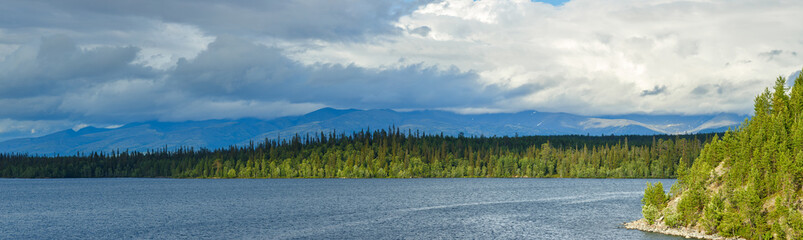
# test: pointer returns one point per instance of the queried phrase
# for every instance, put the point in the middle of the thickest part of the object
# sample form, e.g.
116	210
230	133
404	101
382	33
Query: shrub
654	195
712	213
690	205
671	217
650	213
730	224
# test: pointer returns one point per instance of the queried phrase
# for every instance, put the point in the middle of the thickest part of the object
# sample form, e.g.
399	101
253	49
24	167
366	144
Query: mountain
222	133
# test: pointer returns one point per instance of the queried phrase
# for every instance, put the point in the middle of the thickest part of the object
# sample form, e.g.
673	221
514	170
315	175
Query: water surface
321	208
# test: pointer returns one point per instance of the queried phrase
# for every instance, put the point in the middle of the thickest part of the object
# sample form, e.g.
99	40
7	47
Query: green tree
654	195
650	212
713	213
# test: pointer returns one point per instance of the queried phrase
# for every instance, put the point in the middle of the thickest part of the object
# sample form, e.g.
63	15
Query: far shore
642	225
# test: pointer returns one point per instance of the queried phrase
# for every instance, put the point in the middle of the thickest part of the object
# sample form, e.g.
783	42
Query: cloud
316	19
106	63
421	31
655	91
234	109
593	57
10	128
231	78
58	65
232	68
773	54
722	89
770	54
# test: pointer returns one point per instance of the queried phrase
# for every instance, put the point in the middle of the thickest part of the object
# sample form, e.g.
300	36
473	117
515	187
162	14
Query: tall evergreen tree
749	183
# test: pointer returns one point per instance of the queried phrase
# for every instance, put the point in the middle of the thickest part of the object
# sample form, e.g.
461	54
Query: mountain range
212	134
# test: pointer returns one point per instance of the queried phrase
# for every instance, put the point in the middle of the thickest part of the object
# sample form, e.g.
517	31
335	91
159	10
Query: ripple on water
321	208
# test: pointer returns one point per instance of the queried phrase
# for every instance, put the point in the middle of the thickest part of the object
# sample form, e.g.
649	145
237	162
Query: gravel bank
642	225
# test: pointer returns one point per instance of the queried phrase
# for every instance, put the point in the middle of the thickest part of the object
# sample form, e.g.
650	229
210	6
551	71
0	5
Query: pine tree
796	96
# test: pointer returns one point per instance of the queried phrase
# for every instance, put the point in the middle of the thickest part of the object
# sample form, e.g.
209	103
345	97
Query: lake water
321	208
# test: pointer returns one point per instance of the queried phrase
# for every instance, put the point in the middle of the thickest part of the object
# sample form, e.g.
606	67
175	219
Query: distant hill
142	136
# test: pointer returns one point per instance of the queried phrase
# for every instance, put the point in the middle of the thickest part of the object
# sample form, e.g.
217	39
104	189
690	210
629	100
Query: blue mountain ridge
142	136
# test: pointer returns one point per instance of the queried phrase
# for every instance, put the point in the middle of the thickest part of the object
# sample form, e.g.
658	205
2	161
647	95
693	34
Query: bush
730	224
671	217
777	231
712	213
650	213
675	190
795	222
654	195
690	205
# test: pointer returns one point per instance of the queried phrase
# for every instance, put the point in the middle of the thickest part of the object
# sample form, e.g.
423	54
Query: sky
70	64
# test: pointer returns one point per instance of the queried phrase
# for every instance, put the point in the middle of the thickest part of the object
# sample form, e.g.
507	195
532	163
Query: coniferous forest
386	153
749	183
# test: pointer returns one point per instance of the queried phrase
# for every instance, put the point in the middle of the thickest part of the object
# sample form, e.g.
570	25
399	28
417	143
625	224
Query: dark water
321	208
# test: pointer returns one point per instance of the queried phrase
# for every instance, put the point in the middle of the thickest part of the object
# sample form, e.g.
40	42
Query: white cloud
67	64
168	42
595	57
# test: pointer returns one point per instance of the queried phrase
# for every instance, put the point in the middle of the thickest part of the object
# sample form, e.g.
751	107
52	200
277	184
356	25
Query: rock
642	225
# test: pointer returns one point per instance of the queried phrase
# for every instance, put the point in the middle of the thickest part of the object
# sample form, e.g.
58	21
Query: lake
127	208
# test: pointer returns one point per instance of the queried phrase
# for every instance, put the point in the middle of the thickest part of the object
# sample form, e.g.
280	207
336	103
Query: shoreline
642	225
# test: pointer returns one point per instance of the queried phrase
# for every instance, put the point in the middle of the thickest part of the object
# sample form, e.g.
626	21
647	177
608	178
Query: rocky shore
642	225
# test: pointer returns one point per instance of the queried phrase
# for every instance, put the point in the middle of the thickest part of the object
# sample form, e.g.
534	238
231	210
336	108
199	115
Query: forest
749	182
385	153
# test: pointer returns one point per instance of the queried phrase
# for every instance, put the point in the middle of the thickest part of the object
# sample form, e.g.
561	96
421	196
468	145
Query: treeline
749	183
386	153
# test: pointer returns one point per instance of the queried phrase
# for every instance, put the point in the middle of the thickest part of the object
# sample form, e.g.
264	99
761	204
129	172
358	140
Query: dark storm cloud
316	19
32	108
655	91
231	78
232	68
58	65
34	79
